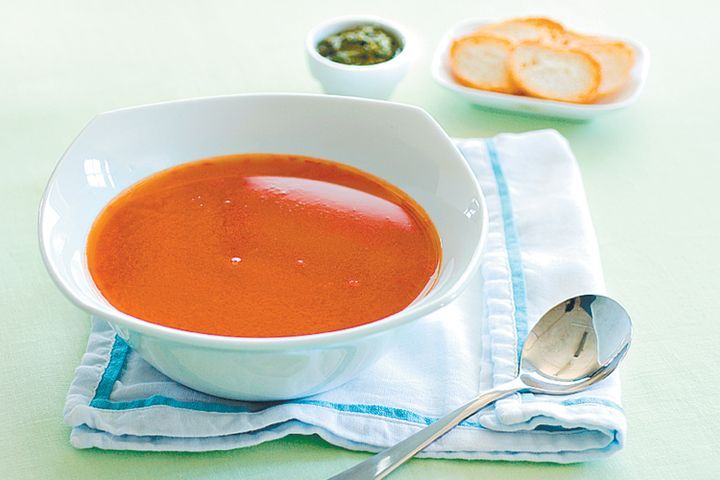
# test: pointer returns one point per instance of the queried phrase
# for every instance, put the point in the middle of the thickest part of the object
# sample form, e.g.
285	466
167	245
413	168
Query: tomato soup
262	245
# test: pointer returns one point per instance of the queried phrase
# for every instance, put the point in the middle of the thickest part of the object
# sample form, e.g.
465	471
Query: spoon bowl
574	343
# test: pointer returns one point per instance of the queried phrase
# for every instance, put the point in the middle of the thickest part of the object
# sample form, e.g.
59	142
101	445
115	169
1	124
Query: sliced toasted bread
568	38
522	29
616	60
555	73
481	61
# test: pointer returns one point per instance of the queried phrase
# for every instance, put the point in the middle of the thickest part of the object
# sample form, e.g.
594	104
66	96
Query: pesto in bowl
360	45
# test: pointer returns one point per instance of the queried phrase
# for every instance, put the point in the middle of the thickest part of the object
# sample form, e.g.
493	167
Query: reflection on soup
262	245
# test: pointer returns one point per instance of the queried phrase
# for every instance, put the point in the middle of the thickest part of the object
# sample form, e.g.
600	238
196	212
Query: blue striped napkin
541	248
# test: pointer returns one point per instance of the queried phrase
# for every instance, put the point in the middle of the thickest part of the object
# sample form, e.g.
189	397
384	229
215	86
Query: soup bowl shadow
399	143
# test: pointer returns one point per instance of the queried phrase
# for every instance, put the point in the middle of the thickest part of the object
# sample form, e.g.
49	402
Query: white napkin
541	249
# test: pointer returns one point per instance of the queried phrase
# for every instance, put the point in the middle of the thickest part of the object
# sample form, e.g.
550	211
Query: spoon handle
382	464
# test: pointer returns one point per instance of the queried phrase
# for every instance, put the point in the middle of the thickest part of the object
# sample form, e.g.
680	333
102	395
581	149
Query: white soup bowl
399	143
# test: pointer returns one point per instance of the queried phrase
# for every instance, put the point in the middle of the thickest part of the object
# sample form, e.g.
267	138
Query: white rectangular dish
536	106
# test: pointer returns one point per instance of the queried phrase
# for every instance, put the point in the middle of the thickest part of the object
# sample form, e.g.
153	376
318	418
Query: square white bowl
536	106
399	143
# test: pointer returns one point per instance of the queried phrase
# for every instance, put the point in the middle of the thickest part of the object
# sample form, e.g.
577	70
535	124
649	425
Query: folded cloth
541	248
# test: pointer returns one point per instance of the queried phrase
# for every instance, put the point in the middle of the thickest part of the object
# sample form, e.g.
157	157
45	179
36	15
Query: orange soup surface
262	245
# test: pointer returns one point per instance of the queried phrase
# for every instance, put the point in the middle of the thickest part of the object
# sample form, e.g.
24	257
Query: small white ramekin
370	81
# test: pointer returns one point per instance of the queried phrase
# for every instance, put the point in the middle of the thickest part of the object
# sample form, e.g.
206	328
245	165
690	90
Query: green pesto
360	45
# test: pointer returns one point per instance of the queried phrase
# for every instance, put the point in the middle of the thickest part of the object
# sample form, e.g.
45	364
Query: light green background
652	176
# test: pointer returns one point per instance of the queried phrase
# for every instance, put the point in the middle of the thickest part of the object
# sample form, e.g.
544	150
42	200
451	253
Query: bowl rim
311	42
336	337
441	51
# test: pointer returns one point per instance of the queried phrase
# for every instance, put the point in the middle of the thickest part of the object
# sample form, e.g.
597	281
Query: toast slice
522	29
554	72
616	60
481	61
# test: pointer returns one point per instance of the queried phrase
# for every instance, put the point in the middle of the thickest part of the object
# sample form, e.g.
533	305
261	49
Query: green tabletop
651	174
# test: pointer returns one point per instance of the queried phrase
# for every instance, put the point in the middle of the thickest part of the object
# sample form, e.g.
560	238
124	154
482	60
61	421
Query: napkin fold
541	248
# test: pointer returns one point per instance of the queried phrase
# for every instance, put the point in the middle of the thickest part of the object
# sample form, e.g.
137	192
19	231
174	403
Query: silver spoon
574	345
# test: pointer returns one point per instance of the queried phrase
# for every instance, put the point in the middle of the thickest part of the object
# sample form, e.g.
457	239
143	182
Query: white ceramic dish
536	106
117	149
370	81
